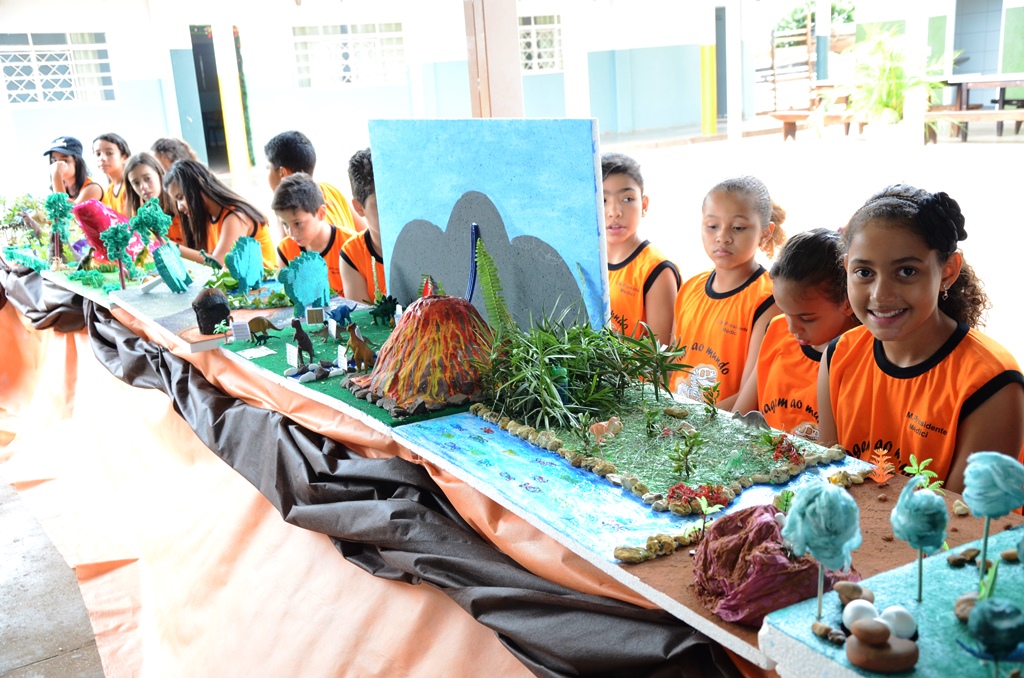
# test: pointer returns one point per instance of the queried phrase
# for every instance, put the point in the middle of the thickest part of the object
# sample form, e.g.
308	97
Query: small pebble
821	630
1010	556
971	553
977	563
964	605
956	560
954	529
849	591
961	509
883	498
871	631
887	537
837	637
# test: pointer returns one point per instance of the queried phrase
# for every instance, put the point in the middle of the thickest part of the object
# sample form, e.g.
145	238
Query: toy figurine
259	328
302	340
362	354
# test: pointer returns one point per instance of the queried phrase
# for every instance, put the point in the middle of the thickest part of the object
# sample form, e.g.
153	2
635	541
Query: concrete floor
44	628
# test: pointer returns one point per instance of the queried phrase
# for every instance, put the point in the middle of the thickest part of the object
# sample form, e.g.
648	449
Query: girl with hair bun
721	315
917	377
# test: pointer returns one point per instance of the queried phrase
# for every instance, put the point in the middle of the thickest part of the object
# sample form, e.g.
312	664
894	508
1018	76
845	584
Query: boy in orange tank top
299	204
809	285
721	315
917	378
643	282
362	265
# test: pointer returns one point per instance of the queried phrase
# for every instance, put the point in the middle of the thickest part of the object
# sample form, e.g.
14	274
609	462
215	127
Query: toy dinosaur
341	314
384	309
303	341
210	261
259	328
362	354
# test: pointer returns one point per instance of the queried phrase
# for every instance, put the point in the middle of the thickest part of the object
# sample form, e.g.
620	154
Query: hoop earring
945	292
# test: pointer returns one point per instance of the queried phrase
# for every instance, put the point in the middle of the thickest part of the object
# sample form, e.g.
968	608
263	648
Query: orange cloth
262	236
358	253
114	200
913	410
289	249
338	212
631	280
715	329
787	382
161	563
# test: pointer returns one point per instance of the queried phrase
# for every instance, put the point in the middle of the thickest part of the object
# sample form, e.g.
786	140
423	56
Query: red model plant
714	494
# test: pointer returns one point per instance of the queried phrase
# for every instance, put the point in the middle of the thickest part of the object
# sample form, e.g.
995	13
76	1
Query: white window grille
540	43
327	57
42	68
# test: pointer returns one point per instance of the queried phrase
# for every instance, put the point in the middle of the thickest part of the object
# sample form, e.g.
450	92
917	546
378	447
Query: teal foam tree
116	239
920	519
171	268
59	208
151	220
305	282
993	486
245	262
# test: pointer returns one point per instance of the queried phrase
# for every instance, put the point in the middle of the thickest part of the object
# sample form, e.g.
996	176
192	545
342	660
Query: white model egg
858	609
900	621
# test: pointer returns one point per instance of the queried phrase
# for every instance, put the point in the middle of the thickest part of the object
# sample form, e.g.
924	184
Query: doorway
209	97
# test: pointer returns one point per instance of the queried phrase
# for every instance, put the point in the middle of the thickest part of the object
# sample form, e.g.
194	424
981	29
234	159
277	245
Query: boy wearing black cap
68	173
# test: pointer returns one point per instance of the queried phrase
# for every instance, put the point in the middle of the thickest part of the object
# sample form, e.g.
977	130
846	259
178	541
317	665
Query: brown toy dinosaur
303	341
259	328
362	354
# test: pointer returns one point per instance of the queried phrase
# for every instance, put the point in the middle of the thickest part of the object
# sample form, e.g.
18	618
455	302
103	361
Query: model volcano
432	359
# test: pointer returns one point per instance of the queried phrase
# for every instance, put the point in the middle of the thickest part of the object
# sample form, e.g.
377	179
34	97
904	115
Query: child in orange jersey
361	255
917	378
144	177
168	149
299	204
68	173
809	285
291	152
721	315
111	153
213	217
643	282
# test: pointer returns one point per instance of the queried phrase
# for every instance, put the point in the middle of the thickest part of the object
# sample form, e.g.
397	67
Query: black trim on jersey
630	258
897	372
830	351
344	257
725	295
810	353
379	258
649	283
988	390
283	257
765	305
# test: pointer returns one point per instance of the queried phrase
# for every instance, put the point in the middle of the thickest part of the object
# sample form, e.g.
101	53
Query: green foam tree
245	262
305	282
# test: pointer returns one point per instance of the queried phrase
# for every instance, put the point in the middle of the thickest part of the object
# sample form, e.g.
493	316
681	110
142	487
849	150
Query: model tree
245	262
151	220
116	239
305	282
59	207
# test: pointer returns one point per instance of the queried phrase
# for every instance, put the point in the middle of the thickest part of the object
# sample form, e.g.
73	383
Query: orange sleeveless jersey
358	252
787	382
913	410
630	281
338	212
715	329
174	231
262	237
114	201
289	249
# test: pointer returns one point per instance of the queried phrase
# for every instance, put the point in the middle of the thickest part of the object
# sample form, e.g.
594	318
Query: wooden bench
789	119
1016	103
961	118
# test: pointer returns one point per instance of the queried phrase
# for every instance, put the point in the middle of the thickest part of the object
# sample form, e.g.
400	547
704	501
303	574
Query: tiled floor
44	628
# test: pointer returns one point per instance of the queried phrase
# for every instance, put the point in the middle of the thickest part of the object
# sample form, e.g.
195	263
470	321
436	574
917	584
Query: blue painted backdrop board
533	185
575	506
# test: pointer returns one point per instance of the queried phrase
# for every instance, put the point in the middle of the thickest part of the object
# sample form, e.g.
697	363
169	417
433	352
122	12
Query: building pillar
492	39
822	37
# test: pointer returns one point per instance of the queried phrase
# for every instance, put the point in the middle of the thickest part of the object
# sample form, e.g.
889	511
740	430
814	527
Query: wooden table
965	82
